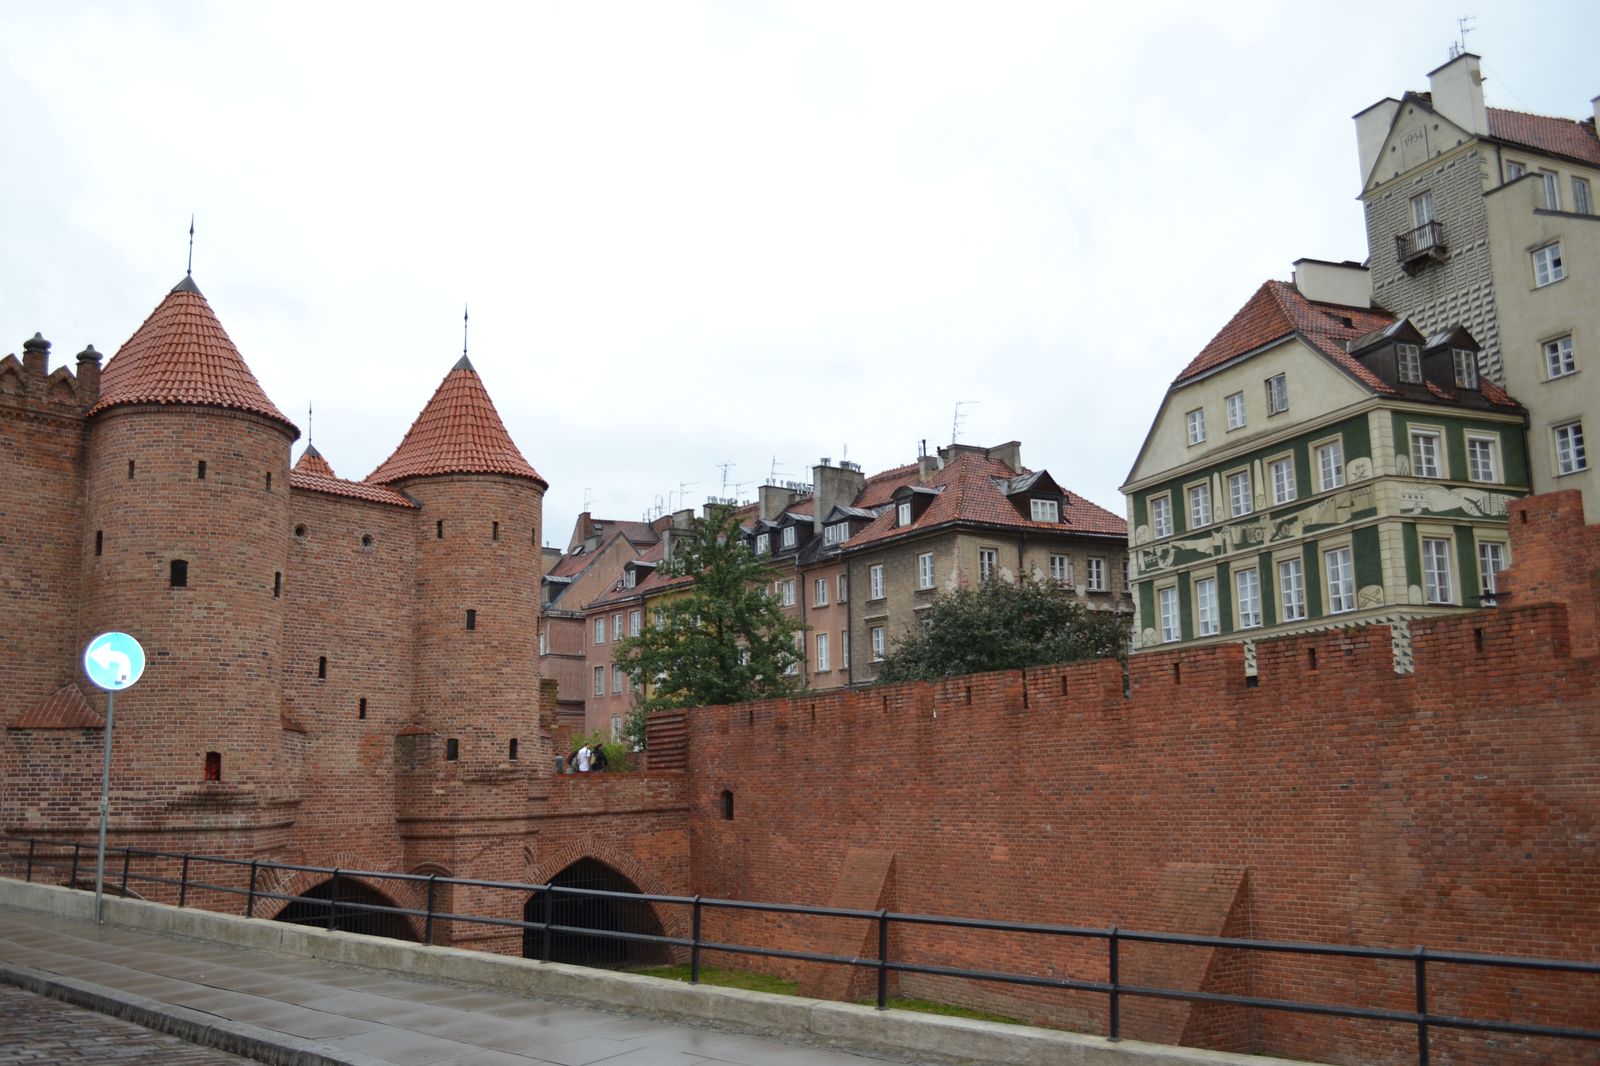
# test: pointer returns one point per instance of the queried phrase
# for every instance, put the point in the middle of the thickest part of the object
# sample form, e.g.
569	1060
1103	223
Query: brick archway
410	895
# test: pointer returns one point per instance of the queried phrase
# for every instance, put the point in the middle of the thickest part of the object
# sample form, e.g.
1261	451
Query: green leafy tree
723	641
1004	626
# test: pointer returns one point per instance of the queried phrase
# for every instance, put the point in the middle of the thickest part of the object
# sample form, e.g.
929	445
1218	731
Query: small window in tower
200	471
727	805
300	532
452	749
496	533
130	469
366	540
361	709
99	541
213	766
438	529
269	482
322	668
178	576
472	618
513	752
277	584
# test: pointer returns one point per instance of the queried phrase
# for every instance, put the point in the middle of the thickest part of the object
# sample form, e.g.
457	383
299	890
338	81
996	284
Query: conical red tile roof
458	432
312	462
183	355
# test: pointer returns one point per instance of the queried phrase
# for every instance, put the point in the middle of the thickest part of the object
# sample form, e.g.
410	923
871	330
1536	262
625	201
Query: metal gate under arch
349	906
600	913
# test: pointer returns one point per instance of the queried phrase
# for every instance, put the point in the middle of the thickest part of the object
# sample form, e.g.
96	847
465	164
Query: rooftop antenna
1459	46
588	497
189	270
683	491
777	468
956	420
725	466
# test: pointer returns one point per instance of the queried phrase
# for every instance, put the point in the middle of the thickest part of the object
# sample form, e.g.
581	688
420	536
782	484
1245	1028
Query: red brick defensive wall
1329	799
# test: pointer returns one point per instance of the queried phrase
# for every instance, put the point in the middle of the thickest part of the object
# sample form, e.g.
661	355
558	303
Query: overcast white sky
694	234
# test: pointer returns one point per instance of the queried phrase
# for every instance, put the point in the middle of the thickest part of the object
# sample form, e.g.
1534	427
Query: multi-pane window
925	570
1283	489
1044	510
842	586
877	643
819	592
1199	506
903	513
1167	601
600	630
875	582
1491	561
1514	170
1330	466
1466	367
1161	516
762	544
786	592
1483	458
1558	358
1205	607
844	649
1060	569
1240	499
1552	189
987	561
788	536
1425	453
1247	594
1580	196
1408	357
1097	575
634	620
1547	265
1277	394
1421	209
1570	454
1196	423
1436	584
617	682
1235	404
822	652
836	533
1291	591
659	617
599	681
1341	580
616	626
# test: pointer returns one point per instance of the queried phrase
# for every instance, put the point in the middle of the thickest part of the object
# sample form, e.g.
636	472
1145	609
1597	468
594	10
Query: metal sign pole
105	806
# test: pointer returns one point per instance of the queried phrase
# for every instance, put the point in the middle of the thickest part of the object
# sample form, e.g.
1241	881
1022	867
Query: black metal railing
32	857
1425	241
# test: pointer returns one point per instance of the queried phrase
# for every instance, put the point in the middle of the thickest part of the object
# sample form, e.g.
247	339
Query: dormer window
630	578
1044	510
1408	358
1466	364
903	513
762	547
837	533
788	536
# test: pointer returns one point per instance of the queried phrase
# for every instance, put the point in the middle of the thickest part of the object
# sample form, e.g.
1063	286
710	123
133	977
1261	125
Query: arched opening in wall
727	805
604	914
350	907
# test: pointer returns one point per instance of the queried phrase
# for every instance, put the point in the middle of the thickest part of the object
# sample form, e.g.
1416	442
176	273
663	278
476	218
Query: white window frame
1548	267
1044	510
822	653
1061	569
635	620
1195	425
1095	574
819	592
616	626
1408	363
1236	412
988	564
1582	202
544	641
1422	209
875	581
1483	457
876	636
1572	456
600	630
842	589
786	592
1552	189
659	617
1559	359
1277	394
1438	584
630	578
1247	597
1241	496
1427	453
1465	363
1161	515
1292	590
844	649
1339	571
836	533
1493	558
1199	497
599	681
1330	464
903	513
788	536
1206	622
1514	170
618	681
925	570
1167	614
1284	489
763	546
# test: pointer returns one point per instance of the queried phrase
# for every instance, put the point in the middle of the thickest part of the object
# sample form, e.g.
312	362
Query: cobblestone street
38	1029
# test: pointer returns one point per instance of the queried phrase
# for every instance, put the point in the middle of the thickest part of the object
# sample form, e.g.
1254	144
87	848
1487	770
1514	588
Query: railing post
72	880
427	923
183	881
333	899
694	944
1422	1005
883	959
250	900
127	857
31	843
549	909
1116	993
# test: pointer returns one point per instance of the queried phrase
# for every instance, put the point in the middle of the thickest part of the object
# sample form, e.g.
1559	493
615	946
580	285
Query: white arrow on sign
104	655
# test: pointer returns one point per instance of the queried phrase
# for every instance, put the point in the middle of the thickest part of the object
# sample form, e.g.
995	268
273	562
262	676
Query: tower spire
463	330
189	270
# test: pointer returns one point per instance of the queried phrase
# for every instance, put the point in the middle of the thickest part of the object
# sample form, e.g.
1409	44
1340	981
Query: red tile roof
182	355
458	432
336	486
65	709
880	486
312	462
972	496
1276	312
1543	133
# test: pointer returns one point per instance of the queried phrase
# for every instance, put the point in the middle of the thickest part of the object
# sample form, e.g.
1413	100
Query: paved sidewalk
36	1030
284	1009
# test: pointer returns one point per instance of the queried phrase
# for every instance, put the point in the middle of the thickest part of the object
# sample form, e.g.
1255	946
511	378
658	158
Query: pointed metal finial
463	329
189	271
309	423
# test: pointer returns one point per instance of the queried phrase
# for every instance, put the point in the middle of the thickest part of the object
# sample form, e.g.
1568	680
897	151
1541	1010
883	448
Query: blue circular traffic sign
114	661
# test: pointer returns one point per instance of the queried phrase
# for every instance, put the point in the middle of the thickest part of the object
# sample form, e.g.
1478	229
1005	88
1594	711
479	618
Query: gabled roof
314	474
64	709
182	355
1544	133
458	432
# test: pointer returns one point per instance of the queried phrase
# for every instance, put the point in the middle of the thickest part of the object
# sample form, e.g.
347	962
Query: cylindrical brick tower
476	739
185	539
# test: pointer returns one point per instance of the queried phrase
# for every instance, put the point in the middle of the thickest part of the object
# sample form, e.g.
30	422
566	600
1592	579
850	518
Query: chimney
1595	103
1457	89
772	501
1347	284
88	376
36	357
833	486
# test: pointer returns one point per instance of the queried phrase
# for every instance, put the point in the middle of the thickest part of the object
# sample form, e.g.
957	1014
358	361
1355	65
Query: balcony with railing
1417	247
